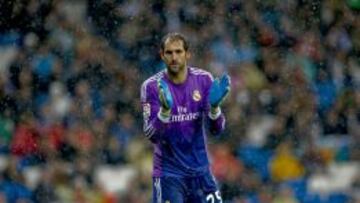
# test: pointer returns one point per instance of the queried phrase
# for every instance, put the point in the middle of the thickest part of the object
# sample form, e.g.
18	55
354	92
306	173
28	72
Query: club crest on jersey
196	95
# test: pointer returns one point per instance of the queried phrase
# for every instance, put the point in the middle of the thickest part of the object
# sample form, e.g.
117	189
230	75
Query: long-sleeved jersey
180	142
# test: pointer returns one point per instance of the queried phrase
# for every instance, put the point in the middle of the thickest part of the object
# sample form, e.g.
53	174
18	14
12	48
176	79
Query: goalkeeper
178	104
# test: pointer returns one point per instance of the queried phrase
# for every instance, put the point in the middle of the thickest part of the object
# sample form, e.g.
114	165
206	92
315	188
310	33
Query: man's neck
180	77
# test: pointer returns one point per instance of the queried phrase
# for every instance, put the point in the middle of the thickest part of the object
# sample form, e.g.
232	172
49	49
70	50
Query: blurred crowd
70	76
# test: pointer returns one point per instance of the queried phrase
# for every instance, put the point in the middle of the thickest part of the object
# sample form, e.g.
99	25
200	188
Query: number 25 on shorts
214	197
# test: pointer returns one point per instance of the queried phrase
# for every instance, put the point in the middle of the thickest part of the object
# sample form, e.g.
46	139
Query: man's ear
161	53
188	55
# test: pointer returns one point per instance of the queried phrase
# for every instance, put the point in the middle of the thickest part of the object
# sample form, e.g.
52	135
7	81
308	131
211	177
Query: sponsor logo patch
146	110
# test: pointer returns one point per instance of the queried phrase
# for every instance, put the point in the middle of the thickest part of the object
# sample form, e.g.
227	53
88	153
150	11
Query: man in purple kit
179	103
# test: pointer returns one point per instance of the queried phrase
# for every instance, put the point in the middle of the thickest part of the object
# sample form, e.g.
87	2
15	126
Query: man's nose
173	56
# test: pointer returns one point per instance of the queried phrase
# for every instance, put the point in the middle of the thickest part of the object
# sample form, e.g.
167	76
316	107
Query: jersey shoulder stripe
148	81
154	77
197	71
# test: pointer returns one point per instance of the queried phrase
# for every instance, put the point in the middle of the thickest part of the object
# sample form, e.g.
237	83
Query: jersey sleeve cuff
163	118
216	115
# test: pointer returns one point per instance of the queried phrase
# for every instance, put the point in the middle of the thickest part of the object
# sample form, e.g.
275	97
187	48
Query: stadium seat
257	159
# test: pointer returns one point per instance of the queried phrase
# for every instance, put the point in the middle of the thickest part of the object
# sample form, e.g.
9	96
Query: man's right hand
166	100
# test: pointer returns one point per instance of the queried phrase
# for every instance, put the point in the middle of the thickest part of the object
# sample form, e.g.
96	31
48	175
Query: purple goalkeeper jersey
180	142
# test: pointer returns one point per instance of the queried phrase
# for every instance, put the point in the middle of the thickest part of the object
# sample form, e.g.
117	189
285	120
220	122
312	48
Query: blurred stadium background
70	75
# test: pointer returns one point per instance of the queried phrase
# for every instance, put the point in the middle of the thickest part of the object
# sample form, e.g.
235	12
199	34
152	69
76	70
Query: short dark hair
174	36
